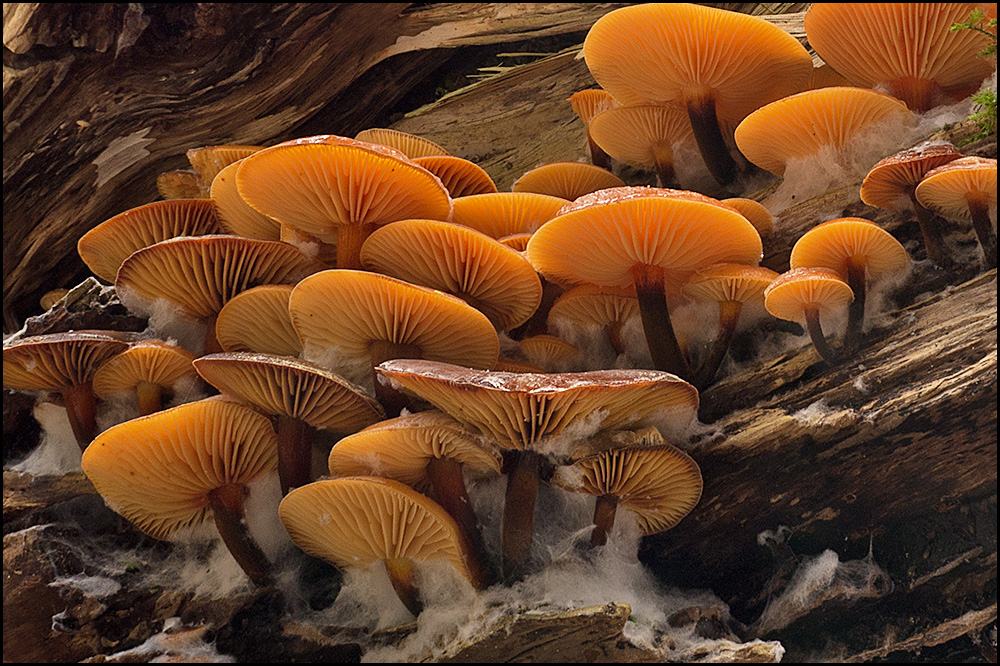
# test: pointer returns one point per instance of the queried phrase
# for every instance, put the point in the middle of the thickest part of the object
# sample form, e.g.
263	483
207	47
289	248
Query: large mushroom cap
355	521
599	238
522	410
658	482
888	183
949	189
793	292
504	213
493	278
55	361
317	183
566	180
350	310
105	247
800	126
686	50
409	144
158	470
400	449
291	387
200	274
908	49
839	244
462	177
257	320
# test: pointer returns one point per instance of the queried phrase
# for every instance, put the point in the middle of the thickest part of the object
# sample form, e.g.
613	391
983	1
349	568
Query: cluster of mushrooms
380	292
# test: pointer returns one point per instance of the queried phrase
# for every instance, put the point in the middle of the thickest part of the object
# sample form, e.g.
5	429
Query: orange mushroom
566	180
461	176
643	136
587	104
808	294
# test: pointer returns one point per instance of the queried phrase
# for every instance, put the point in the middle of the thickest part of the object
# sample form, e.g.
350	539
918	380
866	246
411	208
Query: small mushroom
181	184
147	368
638	470
209	161
461	176
504	213
965	189
354	522
566	180
181	466
411	145
587	104
643	136
235	215
591	305
550	352
257	320
808	294
755	212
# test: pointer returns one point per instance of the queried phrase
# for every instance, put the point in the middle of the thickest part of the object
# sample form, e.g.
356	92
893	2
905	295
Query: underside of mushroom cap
209	161
794	291
409	144
235	215
948	189
152	361
462	177
504	213
643	136
57	360
158	470
257	320
838	244
729	282
566	180
888	182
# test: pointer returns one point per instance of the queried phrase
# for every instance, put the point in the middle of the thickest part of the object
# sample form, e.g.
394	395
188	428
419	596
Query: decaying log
100	99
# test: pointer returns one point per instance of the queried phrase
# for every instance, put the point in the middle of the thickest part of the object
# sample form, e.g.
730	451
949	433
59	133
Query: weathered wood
100	99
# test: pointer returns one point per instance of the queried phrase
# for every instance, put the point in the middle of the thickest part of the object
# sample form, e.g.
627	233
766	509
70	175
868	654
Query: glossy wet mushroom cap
105	247
587	104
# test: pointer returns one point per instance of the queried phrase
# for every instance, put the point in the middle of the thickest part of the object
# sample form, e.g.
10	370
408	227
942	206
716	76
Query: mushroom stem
597	155
663	157
715	152
856	310
518	525
729	315
350	238
614	331
984	228
294	453
537	324
149	394
449	490
400	572
212	345
931	231
227	507
663	345
818	339
81	408
604	519
380	351
919	94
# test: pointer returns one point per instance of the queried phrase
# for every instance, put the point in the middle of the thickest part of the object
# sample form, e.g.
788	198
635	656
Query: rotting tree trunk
100	99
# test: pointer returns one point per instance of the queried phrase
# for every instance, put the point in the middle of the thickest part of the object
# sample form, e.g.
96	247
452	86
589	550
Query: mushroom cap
317	183
355	521
758	215
409	144
838	243
793	291
517	242
400	449
200	274
690	51
291	387
181	184
504	213
889	181
589	304
898	45
490	276
948	189
235	215
506	364
824	76
799	126
566	180
643	136
522	410
658	482
548	351
105	247
729	282
52	297
599	238
348	310
209	161
257	320
157	470
153	361
462	177
588	103
56	361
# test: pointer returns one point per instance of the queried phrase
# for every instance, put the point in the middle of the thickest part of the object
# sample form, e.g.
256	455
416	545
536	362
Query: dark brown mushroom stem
294	453
400	570
448	487
227	508
597	155
818	339
212	345
614	332
664	160
150	397
518	526
856	310
979	208
537	324
380	351
715	152
729	316
350	238
604	519
931	231
81	408
663	345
